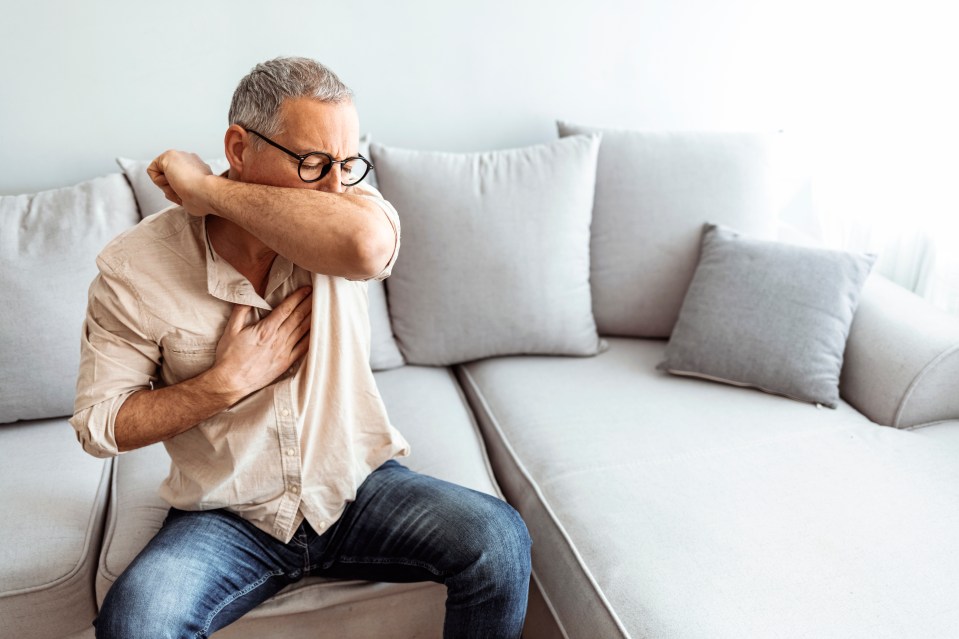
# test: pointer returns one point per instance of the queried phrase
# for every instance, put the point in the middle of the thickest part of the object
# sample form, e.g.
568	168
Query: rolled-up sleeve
118	357
374	196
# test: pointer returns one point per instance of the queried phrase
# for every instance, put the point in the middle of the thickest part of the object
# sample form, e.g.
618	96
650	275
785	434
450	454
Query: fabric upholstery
384	353
673	507
654	191
495	256
53	501
428	407
47	259
767	314
902	358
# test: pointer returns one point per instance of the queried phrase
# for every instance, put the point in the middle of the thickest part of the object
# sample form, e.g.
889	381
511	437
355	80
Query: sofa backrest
654	192
48	245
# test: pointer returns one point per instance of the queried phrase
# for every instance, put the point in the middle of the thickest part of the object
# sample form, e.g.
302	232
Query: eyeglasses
315	166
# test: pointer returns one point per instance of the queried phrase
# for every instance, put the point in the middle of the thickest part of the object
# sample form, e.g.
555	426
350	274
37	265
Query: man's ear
235	142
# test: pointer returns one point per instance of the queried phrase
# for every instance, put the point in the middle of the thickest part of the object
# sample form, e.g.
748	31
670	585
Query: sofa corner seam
917	380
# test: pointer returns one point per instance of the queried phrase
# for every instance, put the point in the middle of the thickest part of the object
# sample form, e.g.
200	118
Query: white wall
84	82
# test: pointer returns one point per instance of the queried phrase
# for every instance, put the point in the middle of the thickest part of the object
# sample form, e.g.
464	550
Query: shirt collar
226	283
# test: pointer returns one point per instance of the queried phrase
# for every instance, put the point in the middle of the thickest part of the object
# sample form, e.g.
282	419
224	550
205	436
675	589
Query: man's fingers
300	330
155	170
296	317
171	195
237	319
158	176
292	302
301	348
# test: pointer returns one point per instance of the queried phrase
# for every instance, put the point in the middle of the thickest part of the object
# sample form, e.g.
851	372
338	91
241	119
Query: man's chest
189	319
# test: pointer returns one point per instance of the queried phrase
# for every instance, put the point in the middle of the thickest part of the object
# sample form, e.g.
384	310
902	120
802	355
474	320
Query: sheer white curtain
884	127
900	202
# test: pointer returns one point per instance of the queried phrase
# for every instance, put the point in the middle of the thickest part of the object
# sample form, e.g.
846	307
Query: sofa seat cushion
663	506
53	502
428	407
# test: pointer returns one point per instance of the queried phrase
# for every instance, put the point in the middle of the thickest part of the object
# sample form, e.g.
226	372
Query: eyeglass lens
315	166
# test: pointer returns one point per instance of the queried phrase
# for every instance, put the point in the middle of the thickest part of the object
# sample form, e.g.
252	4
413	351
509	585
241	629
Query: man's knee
144	605
505	541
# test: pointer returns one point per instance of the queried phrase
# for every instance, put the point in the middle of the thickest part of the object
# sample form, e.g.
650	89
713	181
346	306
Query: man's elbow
95	442
374	253
96	448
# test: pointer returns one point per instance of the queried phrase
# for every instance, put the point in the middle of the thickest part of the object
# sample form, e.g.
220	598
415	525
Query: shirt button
290	452
323	525
285	412
294	489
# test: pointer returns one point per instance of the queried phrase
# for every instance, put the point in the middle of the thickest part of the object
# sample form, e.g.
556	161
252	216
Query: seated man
234	329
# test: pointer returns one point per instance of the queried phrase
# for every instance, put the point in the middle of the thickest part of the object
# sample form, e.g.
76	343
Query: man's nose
332	182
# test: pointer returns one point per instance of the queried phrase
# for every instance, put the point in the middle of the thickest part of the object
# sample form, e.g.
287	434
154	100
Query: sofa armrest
901	366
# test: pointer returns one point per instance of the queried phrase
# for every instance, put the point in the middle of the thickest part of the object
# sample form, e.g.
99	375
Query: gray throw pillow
654	191
48	249
768	315
495	257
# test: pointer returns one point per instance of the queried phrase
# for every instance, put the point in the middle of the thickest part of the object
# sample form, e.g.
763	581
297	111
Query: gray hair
257	99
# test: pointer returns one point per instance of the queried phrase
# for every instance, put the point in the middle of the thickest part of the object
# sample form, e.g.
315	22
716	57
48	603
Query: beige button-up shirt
299	447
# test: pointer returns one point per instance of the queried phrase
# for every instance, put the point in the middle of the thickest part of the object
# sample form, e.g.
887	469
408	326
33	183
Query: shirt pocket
184	359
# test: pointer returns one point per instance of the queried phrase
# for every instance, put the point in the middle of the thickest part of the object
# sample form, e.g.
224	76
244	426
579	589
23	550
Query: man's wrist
212	190
215	382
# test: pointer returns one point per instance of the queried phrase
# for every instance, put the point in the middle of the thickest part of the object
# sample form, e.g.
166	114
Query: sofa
523	346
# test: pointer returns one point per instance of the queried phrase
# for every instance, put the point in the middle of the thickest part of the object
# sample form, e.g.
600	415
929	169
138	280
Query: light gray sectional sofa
517	346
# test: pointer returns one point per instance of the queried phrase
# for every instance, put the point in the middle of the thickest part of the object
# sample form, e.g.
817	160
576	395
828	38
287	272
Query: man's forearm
335	234
150	416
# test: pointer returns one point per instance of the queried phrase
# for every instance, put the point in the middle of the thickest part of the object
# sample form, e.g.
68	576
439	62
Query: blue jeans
205	569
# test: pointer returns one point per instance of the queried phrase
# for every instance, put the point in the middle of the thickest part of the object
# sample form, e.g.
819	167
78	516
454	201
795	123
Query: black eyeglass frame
326	167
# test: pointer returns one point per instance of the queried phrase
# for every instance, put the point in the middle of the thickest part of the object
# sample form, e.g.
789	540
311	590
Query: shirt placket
292	469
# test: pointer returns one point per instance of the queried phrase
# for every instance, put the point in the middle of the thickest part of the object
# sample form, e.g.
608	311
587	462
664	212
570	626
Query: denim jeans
205	569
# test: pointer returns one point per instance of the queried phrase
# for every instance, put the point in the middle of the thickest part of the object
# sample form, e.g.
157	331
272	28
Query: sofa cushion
384	353
53	502
426	405
48	248
664	506
495	256
769	315
654	191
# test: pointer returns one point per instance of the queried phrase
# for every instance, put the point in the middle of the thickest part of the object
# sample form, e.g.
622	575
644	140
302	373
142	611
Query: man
234	329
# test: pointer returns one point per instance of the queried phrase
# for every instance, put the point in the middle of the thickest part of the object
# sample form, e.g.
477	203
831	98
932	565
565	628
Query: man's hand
182	176
249	357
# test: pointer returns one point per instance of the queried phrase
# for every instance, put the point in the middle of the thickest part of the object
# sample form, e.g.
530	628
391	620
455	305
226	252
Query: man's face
307	125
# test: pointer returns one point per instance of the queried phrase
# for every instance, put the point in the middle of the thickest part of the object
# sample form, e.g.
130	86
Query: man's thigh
405	526
202	571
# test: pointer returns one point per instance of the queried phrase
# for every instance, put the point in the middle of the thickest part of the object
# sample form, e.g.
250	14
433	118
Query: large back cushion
48	245
495	255
654	192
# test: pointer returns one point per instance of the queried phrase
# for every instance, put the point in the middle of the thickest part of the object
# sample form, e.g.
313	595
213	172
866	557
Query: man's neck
244	251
